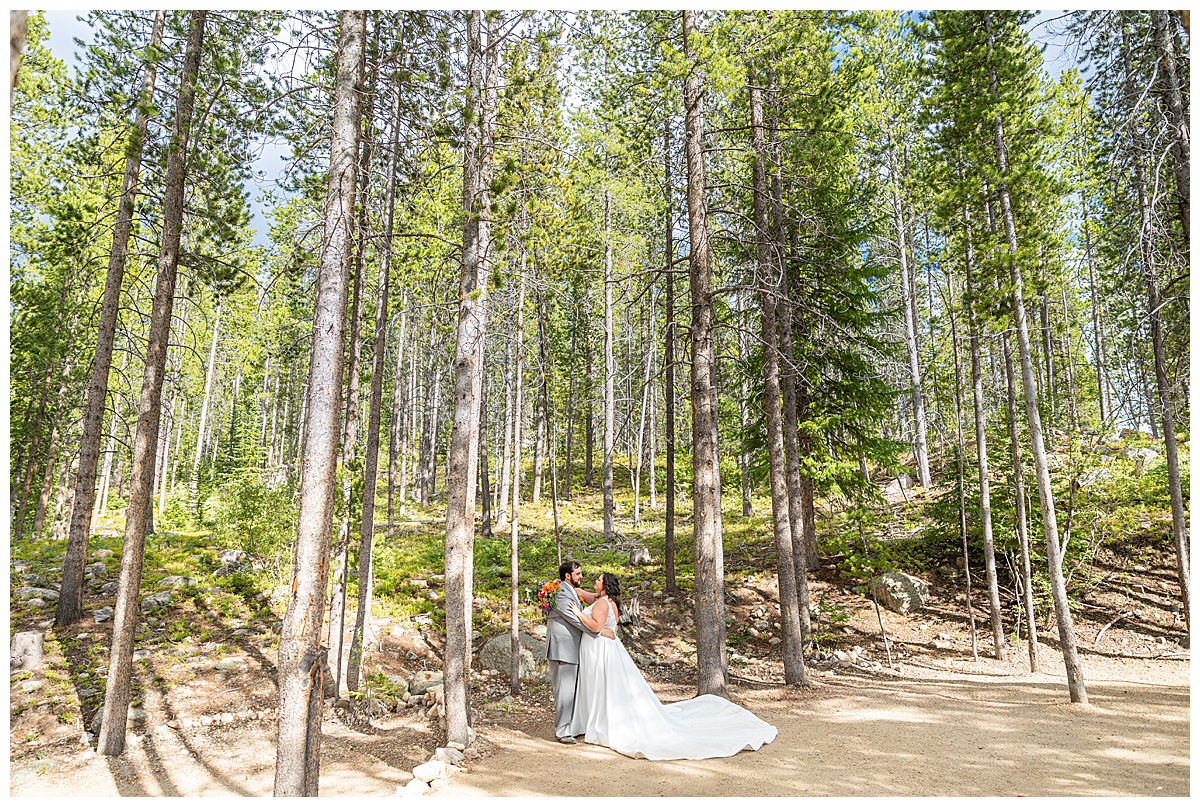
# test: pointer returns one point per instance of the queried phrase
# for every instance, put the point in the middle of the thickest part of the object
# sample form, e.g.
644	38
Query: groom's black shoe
568	740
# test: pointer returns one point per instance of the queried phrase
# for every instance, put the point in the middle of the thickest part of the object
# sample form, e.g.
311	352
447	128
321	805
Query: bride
614	706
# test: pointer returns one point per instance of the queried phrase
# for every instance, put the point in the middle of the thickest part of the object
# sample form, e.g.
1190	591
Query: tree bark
1172	98
985	491
1062	609
120	666
69	609
962	476
395	429
768	293
669	365
301	658
921	449
609	375
366	532
514	678
509	426
1162	383
206	402
711	656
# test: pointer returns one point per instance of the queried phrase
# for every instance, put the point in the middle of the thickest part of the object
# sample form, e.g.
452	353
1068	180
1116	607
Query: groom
563	634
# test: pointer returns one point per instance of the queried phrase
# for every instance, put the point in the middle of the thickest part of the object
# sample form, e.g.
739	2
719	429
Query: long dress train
614	706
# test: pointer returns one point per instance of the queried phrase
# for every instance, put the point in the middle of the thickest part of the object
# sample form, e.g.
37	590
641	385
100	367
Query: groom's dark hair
567	567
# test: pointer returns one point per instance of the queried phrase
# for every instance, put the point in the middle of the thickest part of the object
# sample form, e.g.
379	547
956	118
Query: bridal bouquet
545	595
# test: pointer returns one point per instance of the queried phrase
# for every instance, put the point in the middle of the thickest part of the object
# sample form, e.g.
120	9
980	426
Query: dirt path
956	734
941	727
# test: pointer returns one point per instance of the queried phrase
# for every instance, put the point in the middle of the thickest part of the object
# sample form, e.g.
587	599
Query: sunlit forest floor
917	715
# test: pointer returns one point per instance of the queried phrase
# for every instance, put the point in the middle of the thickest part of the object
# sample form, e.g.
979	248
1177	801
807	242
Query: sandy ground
941	727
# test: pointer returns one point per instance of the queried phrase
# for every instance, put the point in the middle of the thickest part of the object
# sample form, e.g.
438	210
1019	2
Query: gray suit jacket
563	629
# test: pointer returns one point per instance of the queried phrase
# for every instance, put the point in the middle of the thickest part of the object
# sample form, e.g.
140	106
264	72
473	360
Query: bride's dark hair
612	587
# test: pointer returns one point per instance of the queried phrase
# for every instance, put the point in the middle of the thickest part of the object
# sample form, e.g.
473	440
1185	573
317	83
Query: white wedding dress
614	706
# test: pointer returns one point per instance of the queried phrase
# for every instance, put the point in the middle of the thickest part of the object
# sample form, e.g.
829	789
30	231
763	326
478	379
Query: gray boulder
29	592
103	614
497	655
232	568
98	569
110	588
901	592
155	601
231	556
176	581
25	653
422	681
639	556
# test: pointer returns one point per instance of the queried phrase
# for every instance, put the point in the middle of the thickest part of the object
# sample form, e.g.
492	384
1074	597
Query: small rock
155	601
102	553
87	692
232	664
110	587
428	771
98	569
29	592
753	632
138	716
230	556
422	681
140	655
418	583
1140	568
176	581
938	644
473	754
639	556
31	686
450	756
415	788
36	602
456	746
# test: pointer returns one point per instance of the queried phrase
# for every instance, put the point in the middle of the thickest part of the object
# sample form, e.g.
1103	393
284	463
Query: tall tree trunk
1163	386
514	678
921	449
427	461
462	461
669	364
743	407
589	431
801	515
768	292
711	657
985	491
301	658
1018	479
395	433
120	665
366	532
1180	138
205	404
1101	345
962	476
541	426
69	609
506	465
609	375
485	478
570	411
1058	588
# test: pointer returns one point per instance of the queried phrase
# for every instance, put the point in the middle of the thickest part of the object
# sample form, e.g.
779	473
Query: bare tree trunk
985	491
962	477
427	463
711	657
589	431
206	402
366	532
17	26
541	426
1177	117
768	292
1163	387
609	375
1058	587
120	666
1101	346
910	332
743	406
301	658
570	411
506	465
1018	478
395	428
69	609
485	481
669	366
801	513
514	678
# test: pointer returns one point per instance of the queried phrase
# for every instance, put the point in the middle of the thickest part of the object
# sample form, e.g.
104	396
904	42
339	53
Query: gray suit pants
563	678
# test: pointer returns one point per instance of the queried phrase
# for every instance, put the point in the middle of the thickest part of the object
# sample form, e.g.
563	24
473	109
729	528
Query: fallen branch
1100	635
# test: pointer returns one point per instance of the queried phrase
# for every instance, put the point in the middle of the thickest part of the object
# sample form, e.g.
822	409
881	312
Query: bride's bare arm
587	596
595	622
